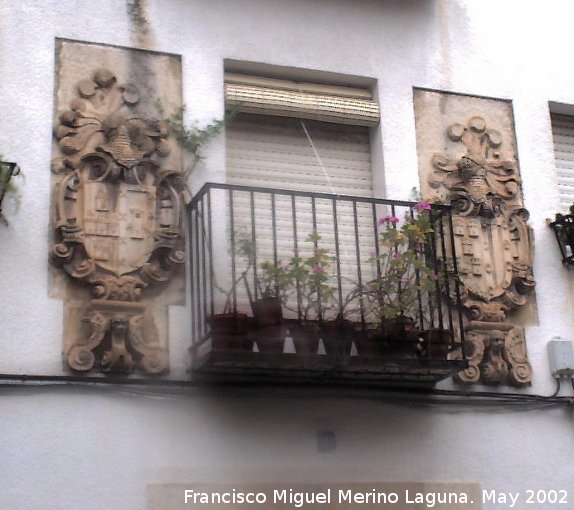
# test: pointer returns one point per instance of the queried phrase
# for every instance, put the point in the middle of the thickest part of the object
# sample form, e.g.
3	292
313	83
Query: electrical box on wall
561	358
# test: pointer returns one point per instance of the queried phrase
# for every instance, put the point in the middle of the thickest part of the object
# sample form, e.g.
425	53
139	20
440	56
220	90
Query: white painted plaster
88	448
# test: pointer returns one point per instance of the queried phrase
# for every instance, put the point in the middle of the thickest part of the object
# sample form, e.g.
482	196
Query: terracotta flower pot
271	339
267	311
305	337
229	332
399	337
338	336
436	344
370	344
400	329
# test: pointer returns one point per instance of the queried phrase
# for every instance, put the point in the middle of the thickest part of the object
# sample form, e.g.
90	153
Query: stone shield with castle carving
467	155
118	222
489	251
117	205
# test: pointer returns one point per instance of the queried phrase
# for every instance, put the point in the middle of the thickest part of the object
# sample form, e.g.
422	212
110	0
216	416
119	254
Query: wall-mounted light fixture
7	171
563	227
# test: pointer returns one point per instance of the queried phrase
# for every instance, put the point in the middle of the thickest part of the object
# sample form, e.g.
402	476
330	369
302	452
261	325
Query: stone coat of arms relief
117	223
493	243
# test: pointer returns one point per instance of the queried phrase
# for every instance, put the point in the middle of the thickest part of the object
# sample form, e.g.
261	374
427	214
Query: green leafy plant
193	138
404	273
244	253
304	277
275	280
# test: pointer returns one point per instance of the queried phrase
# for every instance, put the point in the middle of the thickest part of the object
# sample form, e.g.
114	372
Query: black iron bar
432	246
447	281
203	263
210	249
197	286
328	196
456	283
233	263
274	233
316	247
419	294
376	232
393	213
296	253
253	242
193	242
337	256
420	255
358	257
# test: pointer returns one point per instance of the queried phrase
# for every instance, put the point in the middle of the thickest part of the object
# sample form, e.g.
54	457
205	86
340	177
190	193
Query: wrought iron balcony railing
313	286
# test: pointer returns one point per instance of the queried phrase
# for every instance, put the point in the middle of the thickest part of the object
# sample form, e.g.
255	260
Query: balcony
312	287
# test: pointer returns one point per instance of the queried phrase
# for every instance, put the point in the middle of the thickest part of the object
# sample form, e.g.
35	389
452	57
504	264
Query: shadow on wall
284	426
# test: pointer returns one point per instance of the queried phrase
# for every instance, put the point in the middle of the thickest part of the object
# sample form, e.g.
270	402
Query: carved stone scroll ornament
117	222
494	250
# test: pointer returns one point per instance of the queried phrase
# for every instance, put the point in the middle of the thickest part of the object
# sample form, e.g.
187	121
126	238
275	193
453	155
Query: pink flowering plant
305	278
401	263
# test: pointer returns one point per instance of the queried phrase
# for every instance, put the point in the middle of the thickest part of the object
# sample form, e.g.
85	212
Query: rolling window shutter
302	137
275	152
563	134
282	98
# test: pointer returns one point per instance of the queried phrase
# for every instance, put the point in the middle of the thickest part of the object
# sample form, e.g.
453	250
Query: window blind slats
563	136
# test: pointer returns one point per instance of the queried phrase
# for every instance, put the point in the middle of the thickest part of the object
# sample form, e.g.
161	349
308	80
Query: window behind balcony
302	137
299	154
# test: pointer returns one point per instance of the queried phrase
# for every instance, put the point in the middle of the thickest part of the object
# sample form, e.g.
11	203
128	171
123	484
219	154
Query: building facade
402	85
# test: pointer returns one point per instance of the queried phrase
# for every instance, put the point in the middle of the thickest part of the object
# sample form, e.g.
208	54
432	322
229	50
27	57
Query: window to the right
563	136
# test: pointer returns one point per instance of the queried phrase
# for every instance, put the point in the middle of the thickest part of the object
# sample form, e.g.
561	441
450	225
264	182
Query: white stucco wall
91	448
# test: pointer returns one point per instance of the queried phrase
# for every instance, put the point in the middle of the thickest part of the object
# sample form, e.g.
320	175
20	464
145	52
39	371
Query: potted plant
314	294
229	332
394	296
301	286
272	282
434	343
230	329
339	333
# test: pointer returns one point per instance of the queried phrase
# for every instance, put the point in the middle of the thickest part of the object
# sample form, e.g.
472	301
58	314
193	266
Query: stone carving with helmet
117	222
494	249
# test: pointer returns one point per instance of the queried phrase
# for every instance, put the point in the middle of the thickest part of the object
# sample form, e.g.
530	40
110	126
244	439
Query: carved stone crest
117	222
493	244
